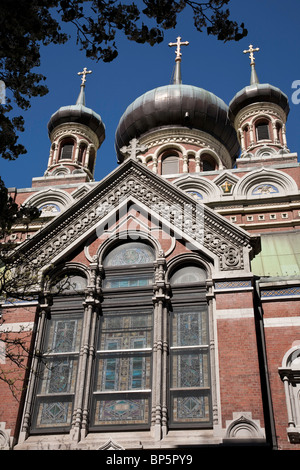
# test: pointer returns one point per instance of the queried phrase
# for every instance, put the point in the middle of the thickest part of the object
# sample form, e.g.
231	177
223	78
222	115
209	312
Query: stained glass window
188	274
123	368
58	373
189	364
129	254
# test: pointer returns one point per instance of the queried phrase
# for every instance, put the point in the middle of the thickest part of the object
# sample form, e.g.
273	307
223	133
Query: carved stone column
86	357
160	350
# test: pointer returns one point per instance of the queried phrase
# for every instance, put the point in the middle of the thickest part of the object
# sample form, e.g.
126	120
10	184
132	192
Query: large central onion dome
177	105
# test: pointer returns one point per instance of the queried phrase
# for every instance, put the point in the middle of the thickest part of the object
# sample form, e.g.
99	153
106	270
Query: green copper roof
279	256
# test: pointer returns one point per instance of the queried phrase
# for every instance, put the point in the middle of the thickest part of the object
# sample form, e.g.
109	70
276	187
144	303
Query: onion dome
257	93
177	105
80	114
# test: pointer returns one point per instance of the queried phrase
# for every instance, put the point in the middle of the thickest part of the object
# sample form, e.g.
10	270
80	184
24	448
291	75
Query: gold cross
84	74
178	44
251	56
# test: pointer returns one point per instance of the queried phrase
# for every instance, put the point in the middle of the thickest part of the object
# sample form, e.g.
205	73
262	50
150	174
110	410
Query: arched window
188	275
290	375
208	163
66	150
126	266
133	356
262	130
190	388
56	372
92	158
170	164
122	388
81	153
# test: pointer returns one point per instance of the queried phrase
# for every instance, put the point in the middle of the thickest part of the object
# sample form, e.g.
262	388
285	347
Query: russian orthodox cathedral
165	312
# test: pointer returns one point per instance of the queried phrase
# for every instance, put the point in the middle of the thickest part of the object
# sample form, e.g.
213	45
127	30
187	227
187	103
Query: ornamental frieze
195	221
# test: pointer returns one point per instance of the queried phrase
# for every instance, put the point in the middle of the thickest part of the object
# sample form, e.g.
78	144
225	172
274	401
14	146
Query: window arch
188	275
131	253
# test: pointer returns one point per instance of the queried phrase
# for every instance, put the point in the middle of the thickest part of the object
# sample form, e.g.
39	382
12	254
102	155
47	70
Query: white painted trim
234	313
281	322
16	327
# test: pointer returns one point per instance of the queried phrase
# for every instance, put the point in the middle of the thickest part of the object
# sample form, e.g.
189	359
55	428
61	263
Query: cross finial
251	55
84	74
133	149
178	43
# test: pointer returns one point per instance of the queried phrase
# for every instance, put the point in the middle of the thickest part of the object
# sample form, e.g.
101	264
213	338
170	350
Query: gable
133	183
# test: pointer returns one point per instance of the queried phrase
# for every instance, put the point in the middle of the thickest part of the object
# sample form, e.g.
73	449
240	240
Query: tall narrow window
122	386
190	389
66	150
123	369
81	153
57	373
170	165
56	376
262	131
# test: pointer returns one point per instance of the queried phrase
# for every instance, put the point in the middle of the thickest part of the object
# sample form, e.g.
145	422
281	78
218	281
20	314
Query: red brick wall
239	372
12	386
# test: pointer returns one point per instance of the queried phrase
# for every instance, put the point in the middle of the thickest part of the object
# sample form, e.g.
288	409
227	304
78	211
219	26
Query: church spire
254	77
81	96
177	74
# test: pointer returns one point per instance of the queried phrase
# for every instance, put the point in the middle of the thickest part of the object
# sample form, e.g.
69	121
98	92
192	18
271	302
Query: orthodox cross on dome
254	78
177	74
84	74
178	43
133	149
251	55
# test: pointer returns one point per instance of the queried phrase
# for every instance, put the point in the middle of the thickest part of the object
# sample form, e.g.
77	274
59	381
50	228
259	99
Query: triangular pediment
130	183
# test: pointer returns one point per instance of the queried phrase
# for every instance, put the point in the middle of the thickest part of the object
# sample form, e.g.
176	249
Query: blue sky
222	68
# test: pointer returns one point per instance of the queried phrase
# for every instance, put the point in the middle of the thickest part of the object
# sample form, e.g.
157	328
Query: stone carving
200	223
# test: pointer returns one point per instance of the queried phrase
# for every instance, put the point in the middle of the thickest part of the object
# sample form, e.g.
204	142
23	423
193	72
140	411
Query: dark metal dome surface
78	113
177	105
255	93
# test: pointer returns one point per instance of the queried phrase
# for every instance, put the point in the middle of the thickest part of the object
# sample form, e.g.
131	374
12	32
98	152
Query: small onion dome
258	93
177	105
78	113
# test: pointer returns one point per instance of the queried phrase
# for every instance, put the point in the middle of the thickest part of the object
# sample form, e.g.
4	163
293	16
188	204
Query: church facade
165	312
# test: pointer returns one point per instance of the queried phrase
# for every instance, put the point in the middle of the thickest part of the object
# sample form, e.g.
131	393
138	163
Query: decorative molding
257	109
233	284
111	445
5	438
169	136
244	427
283	292
198	224
74	129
